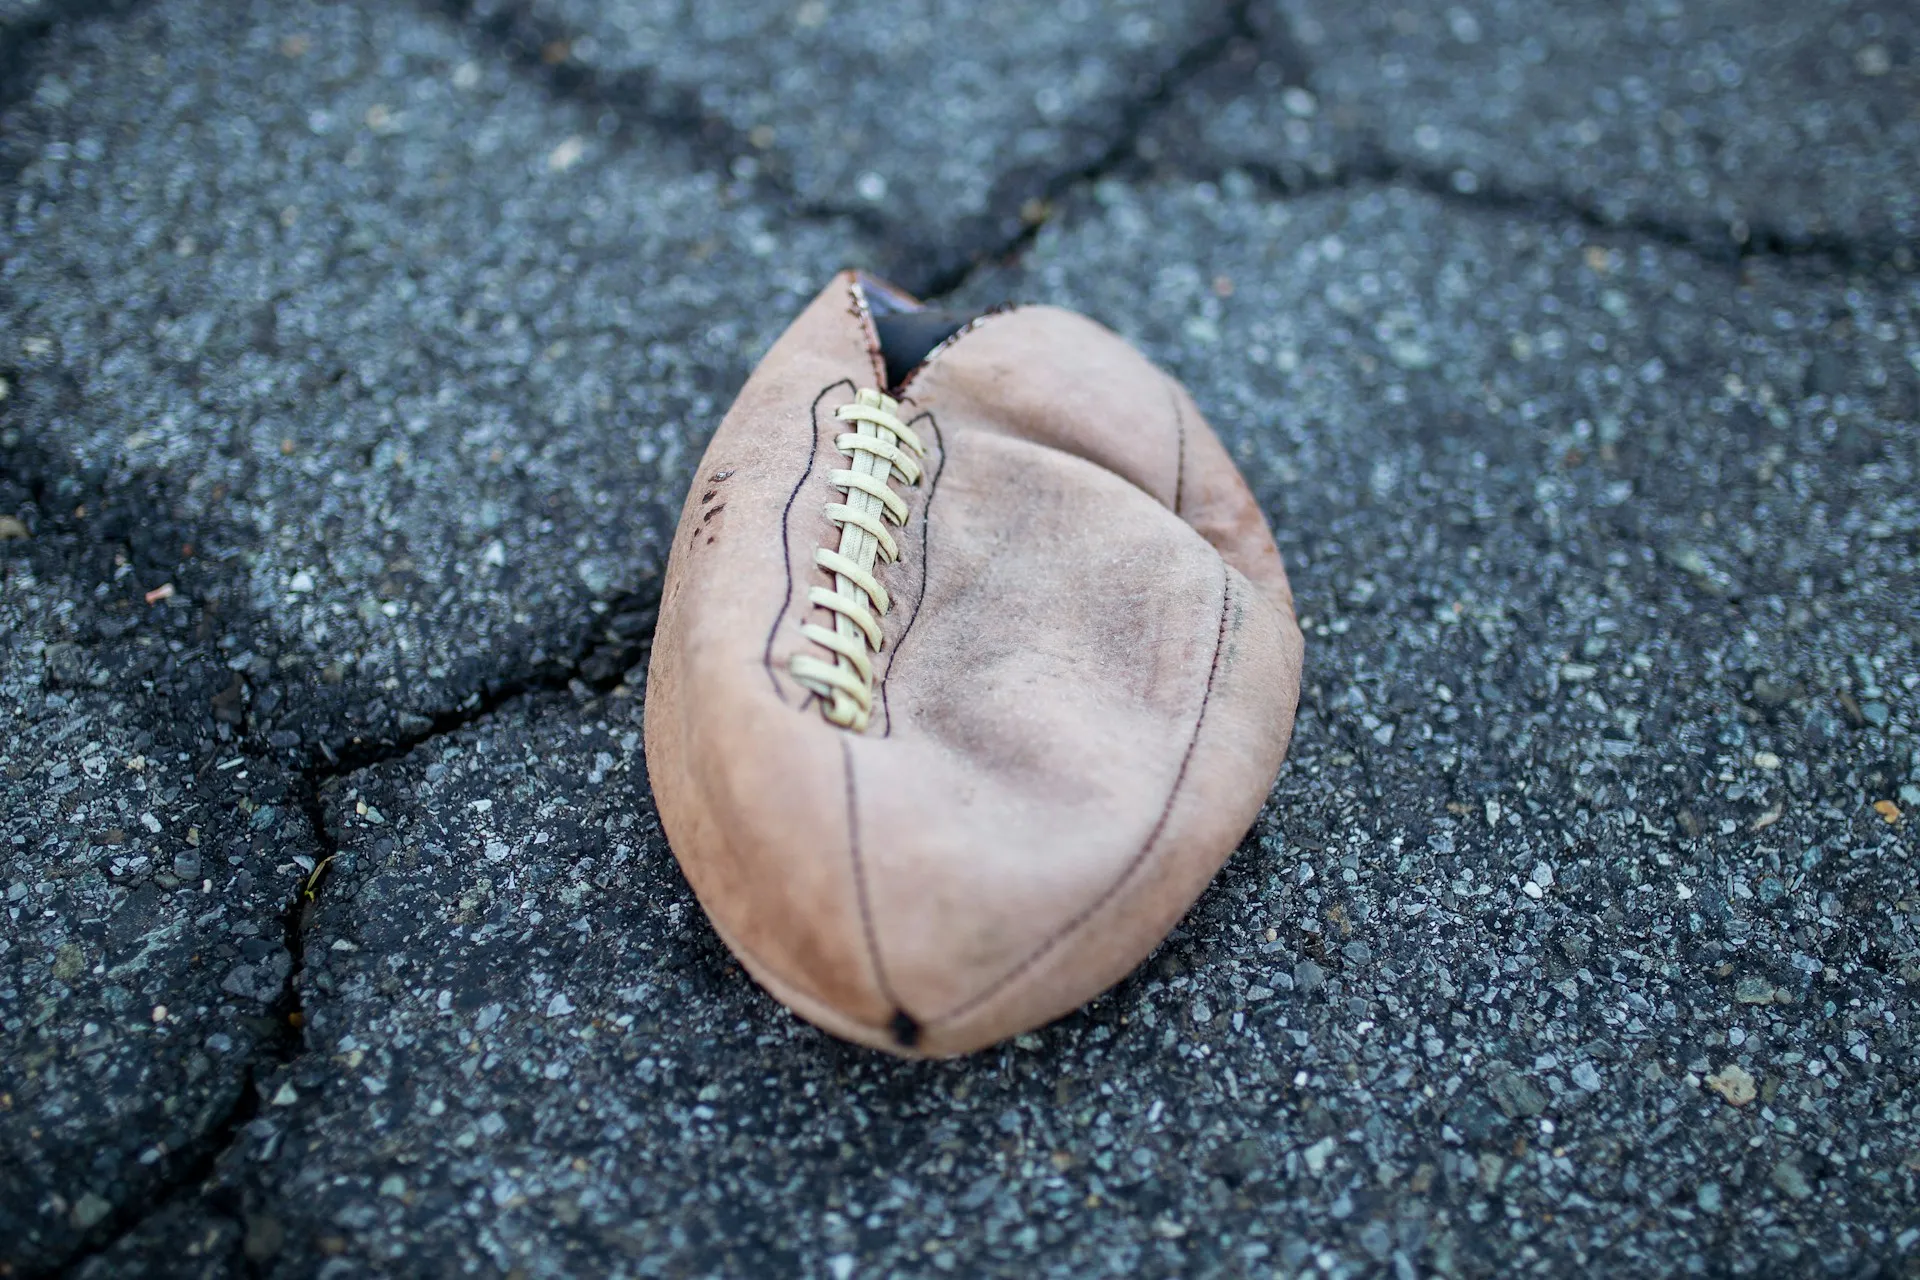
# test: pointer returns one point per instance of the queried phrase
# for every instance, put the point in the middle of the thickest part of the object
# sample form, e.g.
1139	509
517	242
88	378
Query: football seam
1139	859
1180	463
860	882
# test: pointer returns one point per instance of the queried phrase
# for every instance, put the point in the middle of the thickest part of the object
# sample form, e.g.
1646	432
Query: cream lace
879	448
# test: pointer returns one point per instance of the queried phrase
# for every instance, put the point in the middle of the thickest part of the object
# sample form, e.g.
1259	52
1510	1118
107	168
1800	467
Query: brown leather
1085	690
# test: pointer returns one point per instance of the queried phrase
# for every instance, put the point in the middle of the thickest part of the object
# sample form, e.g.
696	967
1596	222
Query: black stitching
1180	467
1153	837
926	513
860	889
786	538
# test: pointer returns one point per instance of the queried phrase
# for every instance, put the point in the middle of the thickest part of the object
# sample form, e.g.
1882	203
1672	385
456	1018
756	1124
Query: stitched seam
860	881
1139	860
786	537
868	330
926	521
1180	465
950	342
879	447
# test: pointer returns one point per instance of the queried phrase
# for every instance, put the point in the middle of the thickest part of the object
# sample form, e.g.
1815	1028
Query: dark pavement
354	358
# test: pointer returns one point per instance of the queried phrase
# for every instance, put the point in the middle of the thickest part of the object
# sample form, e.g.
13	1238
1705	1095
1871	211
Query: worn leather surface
1086	688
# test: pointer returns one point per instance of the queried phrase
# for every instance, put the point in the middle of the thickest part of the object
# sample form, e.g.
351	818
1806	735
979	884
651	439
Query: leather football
975	662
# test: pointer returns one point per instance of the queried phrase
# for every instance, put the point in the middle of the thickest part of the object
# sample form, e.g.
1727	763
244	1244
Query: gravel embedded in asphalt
1731	122
943	125
352	372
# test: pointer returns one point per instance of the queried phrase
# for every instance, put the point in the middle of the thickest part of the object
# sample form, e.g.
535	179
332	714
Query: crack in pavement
637	99
1036	208
624	101
619	641
20	40
541	48
1371	162
1377	168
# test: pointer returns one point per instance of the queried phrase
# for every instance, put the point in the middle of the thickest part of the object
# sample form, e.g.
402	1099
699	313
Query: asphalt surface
355	357
1733	123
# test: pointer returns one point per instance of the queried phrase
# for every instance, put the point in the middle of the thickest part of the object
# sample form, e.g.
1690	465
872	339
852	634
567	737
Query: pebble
1734	1083
1788	1177
1514	1093
90	1210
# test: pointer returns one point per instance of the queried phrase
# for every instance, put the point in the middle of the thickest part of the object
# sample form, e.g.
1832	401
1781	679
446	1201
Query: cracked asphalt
354	358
